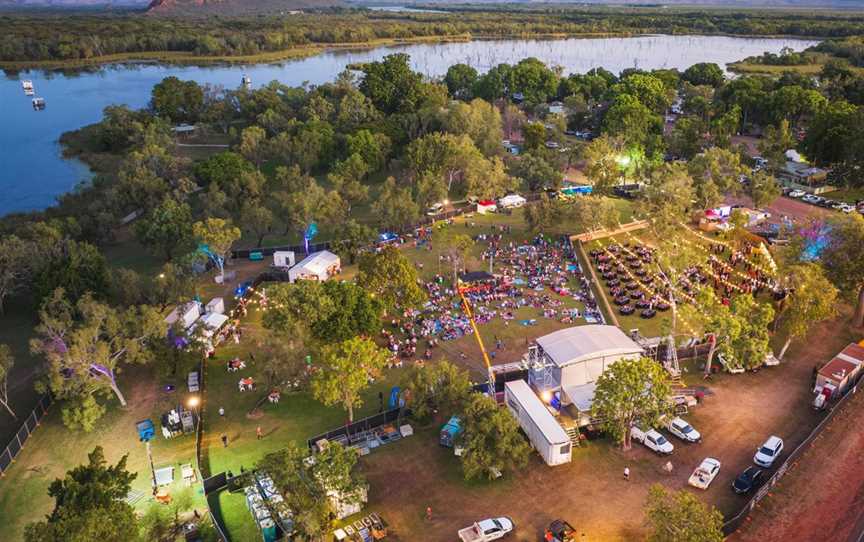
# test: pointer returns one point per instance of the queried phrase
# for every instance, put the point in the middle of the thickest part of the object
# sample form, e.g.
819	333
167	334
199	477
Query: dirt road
822	497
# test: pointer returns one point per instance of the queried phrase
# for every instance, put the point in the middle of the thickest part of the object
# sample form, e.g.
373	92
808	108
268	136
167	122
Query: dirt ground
741	412
814	503
783	206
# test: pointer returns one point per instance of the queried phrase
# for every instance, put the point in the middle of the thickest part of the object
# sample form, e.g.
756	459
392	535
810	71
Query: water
33	172
404	9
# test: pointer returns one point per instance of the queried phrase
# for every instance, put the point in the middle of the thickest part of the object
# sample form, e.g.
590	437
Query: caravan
543	430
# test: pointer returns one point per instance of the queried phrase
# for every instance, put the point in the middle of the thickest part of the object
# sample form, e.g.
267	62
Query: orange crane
467	308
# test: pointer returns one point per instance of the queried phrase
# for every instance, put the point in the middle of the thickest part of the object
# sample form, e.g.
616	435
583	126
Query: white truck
486	530
704	473
544	432
652	439
683	430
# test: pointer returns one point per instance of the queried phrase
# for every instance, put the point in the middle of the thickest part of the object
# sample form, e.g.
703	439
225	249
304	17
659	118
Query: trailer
543	430
450	432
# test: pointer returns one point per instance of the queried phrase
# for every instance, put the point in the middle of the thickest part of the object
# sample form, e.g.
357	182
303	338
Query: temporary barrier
30	424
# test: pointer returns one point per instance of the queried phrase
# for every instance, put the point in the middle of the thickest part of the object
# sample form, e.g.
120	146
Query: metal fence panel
24	432
22	435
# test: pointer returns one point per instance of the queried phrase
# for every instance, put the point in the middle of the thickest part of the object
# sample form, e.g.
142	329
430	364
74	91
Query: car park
748	480
683	430
768	452
652	439
704	473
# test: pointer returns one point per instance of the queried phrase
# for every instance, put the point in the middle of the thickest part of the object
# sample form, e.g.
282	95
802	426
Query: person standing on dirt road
258	434
627	474
224	440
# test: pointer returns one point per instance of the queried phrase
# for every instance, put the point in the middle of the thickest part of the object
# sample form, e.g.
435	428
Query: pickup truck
486	530
705	473
652	439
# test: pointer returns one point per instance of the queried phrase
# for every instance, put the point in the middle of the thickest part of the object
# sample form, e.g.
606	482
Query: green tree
776	140
391	84
543	214
218	235
441	388
681	517
715	173
687	138
460	80
533	136
253	142
179	101
493	85
86	344
166	227
456	247
812	299
668	197
633	121
592	213
345	372
314	489
222	169
395	207
283	359
89	504
7	360
704	73
763	189
603	158
629	391
843	259
257	219
534	80
15	267
352	238
77	268
492	443
372	147
744	339
649	90
391	278
479	120
537	172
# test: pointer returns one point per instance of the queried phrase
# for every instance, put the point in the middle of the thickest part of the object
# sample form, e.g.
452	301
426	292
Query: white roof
537	411
575	344
581	396
318	262
211	321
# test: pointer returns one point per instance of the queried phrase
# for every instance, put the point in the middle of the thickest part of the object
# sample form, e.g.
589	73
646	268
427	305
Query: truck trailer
543	430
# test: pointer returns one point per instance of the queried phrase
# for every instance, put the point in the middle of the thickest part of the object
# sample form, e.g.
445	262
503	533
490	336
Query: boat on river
246	81
38	104
27	85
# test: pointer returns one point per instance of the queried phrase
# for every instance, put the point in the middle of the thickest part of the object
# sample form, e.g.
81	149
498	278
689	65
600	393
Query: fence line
7	457
735	522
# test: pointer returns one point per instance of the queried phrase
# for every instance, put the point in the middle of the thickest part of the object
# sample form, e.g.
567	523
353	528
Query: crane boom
467	308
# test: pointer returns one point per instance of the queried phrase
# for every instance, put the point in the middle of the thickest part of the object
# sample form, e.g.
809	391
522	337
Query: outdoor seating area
178	422
366	529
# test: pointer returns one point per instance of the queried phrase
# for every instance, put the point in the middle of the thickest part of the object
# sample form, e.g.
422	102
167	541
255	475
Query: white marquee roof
572	345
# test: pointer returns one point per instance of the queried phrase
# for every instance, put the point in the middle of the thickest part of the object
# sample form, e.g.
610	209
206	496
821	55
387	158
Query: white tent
187	312
217	305
283	258
317	266
212	323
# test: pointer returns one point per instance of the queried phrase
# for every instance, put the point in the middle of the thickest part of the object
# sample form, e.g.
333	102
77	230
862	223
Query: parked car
683	430
845	208
797	193
488	529
768	452
511	200
705	473
747	480
652	439
435	209
827	203
552	145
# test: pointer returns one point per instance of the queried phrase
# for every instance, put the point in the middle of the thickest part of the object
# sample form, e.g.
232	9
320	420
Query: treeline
80	37
850	49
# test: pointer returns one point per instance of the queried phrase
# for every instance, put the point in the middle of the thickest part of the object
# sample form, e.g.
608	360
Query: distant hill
11	5
234	7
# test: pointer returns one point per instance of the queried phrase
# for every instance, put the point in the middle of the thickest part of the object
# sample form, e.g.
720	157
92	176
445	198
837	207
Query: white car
511	200
845	208
486	530
683	430
705	473
810	198
797	194
652	439
768	452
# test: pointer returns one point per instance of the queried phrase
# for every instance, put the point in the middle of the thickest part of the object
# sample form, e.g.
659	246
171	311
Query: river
33	172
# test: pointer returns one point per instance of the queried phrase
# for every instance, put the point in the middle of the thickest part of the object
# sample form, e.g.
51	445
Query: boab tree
811	299
491	441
